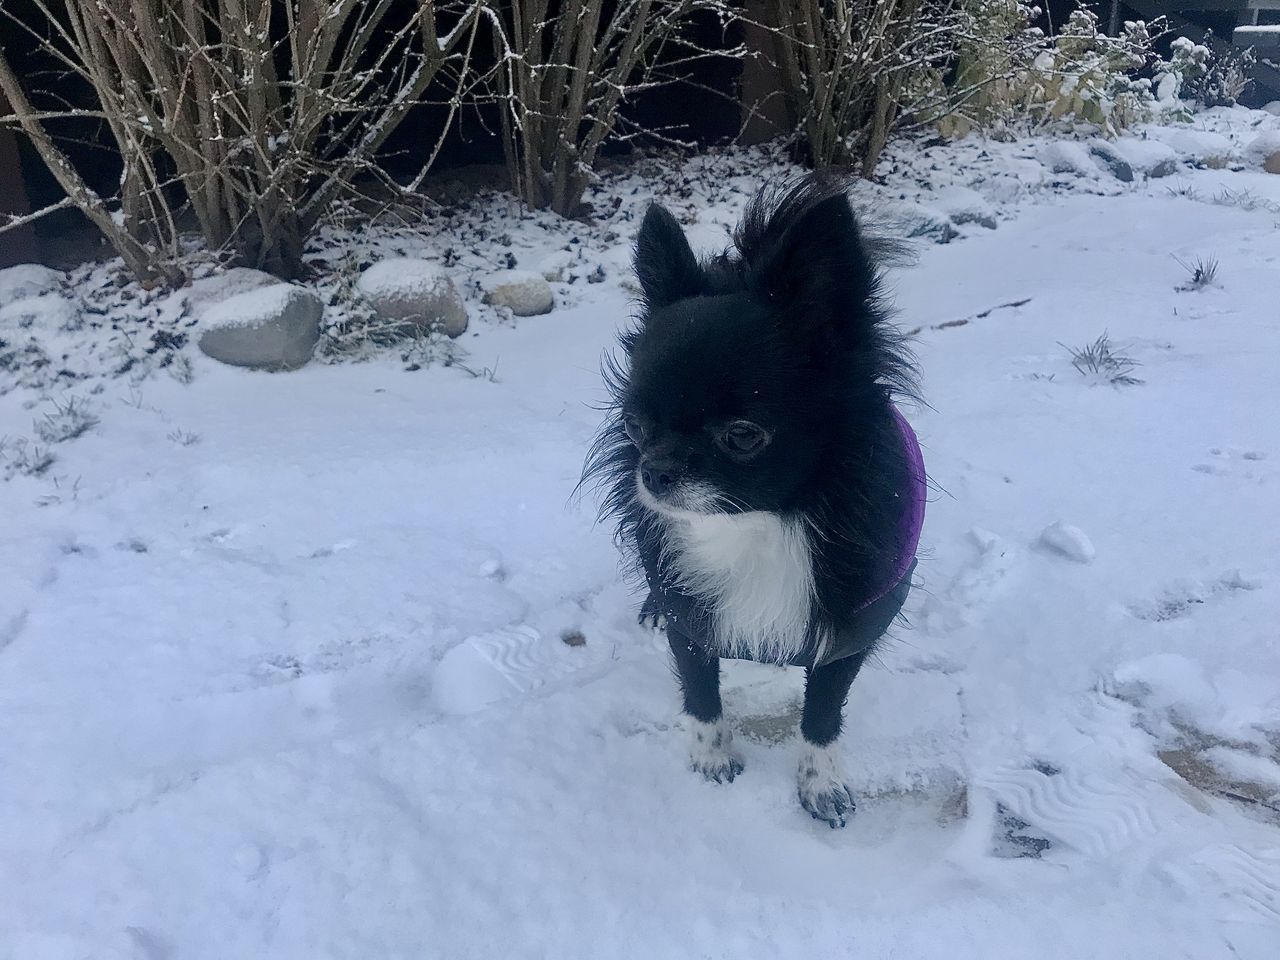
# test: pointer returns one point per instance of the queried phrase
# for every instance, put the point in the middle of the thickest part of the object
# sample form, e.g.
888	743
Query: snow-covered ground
328	664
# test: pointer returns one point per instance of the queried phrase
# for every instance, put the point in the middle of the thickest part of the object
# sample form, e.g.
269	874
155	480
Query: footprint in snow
1093	813
1233	462
502	665
1180	598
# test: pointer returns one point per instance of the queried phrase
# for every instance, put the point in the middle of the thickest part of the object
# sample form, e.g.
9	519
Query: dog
757	467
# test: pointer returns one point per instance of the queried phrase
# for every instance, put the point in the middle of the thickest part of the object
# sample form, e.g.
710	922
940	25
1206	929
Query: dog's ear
801	249
664	263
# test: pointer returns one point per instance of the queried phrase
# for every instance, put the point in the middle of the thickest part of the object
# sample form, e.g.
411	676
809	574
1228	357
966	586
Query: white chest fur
755	571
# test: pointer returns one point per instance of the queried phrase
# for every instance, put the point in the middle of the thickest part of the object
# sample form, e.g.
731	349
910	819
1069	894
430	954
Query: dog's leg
699	673
820	782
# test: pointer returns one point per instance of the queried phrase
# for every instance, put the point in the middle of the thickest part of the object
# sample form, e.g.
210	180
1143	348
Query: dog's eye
743	438
635	429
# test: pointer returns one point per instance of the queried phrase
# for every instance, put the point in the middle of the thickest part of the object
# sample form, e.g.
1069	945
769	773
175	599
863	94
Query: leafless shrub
567	68
1097	360
850	68
251	117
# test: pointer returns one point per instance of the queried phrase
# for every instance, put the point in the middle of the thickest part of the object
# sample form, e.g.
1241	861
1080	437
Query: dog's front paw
651	615
821	787
711	753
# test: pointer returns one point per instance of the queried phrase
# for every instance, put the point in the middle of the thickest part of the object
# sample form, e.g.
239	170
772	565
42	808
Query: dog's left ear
664	262
802	249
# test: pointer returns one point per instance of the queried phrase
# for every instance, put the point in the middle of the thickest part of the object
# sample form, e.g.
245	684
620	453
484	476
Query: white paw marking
820	784
711	751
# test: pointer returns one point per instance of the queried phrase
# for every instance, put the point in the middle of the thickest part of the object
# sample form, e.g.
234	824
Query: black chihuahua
757	466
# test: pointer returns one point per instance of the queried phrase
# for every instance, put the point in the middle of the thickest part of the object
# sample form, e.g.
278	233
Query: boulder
269	328
1264	151
1111	160
916	220
415	292
45	313
29	280
1148	157
524	293
1199	147
1067	156
963	206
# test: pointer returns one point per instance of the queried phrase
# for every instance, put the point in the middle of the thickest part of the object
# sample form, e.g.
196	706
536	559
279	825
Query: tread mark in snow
1087	812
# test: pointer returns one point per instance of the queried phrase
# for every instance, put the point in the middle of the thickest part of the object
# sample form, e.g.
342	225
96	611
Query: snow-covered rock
964	205
417	292
28	280
1067	156
1199	147
917	220
46	312
1149	157
204	293
524	293
271	328
1071	542
1264	150
1111	160
1273	108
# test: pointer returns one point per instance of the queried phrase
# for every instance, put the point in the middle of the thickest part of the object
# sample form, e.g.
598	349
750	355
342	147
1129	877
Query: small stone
416	292
524	293
1071	542
573	638
272	328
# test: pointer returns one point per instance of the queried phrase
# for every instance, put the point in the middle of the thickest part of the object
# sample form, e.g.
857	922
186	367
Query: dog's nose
659	476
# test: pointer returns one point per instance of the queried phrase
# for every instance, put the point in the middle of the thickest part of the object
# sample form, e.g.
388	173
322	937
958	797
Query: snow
1263	146
1071	542
403	278
281	660
28	280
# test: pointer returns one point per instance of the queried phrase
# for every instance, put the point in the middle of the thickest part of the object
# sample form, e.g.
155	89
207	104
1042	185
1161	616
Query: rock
45	313
1067	156
917	220
1273	108
1199	147
204	293
417	292
1071	542
29	280
963	206
1149	157
1110	159
1264	150
271	328
524	293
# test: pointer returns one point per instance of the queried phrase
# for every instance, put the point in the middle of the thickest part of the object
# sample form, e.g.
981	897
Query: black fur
786	330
